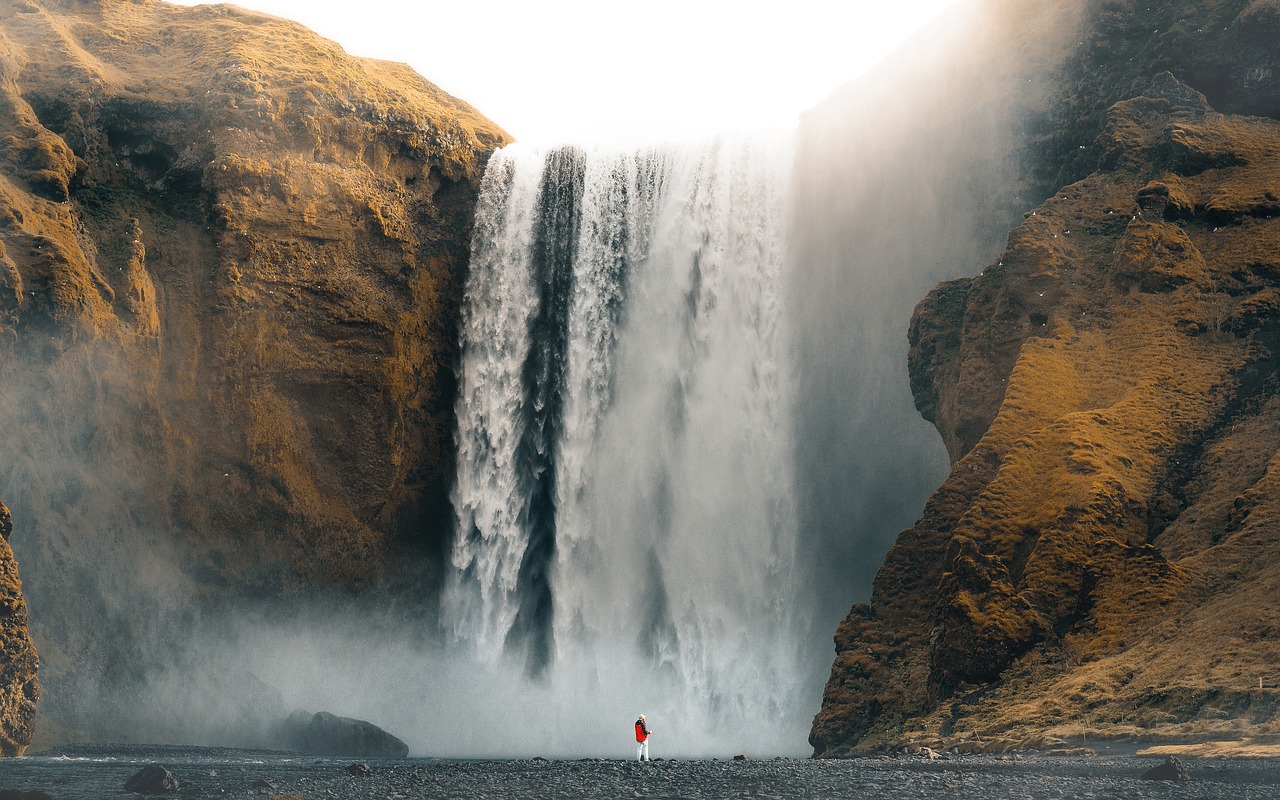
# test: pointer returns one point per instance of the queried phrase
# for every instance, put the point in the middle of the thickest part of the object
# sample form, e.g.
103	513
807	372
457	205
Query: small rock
742	757
262	783
1170	770
359	770
152	779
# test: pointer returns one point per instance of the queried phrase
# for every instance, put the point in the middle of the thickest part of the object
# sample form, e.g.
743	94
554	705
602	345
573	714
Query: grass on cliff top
257	61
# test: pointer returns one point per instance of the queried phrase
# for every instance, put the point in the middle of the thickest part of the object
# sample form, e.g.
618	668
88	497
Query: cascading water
626	522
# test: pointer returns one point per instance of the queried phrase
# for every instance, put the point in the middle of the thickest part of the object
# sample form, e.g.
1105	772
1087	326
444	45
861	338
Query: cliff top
220	55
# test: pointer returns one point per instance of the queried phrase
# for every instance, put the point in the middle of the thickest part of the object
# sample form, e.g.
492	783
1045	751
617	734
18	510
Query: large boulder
324	734
1170	770
152	779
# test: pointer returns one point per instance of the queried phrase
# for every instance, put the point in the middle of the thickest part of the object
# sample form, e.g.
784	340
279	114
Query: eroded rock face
19	683
231	260
1100	560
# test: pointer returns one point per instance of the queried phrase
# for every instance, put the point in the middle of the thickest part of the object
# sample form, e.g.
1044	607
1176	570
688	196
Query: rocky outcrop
1100	560
19	665
231	260
324	734
152	779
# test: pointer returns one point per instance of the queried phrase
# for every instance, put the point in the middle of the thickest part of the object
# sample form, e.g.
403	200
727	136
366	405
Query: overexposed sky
594	70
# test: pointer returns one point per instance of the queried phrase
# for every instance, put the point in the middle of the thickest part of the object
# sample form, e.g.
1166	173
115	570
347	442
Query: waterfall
624	495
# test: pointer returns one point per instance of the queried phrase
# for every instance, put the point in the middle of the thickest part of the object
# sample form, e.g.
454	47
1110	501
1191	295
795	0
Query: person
642	739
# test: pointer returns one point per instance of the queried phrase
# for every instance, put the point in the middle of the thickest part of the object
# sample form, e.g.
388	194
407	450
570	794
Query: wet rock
742	757
1065	532
19	794
1170	770
359	770
152	779
262	783
323	734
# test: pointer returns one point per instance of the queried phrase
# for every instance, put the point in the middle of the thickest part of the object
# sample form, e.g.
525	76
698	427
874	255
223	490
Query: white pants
642	750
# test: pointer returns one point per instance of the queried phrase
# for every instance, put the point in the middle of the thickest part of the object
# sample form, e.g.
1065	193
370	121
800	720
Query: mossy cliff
19	683
1101	560
231	259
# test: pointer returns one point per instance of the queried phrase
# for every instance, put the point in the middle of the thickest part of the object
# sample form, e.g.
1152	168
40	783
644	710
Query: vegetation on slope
231	259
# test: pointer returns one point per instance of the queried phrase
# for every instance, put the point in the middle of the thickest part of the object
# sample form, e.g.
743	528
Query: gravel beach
100	772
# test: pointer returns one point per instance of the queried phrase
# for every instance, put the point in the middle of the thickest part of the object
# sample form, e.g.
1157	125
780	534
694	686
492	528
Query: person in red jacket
642	739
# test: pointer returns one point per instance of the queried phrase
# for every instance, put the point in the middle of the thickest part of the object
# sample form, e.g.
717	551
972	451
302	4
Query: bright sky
591	70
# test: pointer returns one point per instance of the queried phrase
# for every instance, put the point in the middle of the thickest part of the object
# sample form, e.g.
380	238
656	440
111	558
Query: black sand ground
100	772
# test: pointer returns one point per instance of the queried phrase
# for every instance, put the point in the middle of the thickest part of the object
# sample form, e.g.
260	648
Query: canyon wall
19	682
1100	561
231	260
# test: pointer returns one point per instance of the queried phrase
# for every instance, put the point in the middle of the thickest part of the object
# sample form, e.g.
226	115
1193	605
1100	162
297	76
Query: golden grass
1105	542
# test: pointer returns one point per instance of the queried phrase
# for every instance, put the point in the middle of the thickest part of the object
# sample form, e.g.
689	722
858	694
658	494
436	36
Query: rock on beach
152	779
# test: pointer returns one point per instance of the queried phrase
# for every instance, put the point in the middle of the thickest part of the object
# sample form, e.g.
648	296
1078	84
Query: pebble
208	774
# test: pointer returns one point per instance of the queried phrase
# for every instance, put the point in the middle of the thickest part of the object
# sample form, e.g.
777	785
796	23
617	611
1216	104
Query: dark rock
742	757
1170	770
359	770
262	783
19	664
153	779
19	794
84	208
323	734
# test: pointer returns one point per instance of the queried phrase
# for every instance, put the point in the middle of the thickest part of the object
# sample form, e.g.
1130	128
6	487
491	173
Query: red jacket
642	731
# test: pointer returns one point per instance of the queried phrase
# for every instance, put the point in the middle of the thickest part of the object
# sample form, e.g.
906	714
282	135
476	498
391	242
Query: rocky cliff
1100	561
19	682
231	258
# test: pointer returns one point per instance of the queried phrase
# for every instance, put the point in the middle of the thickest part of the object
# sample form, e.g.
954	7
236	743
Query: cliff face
231	259
901	181
19	683
1100	560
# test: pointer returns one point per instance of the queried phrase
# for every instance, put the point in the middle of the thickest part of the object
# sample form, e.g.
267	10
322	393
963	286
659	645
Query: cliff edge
1100	561
231	260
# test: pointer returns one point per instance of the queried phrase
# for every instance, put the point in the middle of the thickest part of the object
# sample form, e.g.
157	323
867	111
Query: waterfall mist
626	514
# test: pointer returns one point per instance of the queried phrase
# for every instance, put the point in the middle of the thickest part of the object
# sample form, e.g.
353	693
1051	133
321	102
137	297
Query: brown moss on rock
19	683
1104	396
231	261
